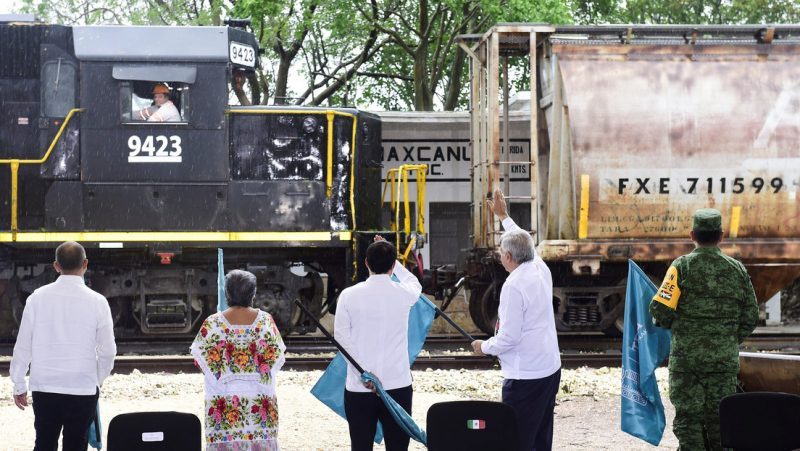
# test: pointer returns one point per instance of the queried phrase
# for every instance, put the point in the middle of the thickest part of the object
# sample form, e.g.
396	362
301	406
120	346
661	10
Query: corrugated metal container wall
664	130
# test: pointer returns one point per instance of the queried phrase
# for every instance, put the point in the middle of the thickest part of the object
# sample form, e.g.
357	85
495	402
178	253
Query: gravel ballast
586	416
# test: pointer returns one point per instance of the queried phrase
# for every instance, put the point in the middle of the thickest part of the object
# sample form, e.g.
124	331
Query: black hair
70	256
381	256
706	237
240	288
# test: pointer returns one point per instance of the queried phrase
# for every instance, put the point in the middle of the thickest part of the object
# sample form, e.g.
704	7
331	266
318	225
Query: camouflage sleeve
663	316
664	304
748	317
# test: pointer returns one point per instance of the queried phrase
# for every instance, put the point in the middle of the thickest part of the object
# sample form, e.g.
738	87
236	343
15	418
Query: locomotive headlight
309	124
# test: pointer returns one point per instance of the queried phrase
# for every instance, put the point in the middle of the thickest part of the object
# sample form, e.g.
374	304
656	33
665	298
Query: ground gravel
586	416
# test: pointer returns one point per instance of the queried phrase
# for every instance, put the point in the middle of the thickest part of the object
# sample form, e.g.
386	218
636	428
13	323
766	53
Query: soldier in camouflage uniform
708	301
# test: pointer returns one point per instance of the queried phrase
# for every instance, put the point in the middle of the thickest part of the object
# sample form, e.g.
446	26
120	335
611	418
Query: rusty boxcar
636	127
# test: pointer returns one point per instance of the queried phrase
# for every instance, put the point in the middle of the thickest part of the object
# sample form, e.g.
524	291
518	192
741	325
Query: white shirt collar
71	279
379	278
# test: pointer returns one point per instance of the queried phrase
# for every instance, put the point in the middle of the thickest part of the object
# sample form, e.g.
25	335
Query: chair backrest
759	421
155	431
472	425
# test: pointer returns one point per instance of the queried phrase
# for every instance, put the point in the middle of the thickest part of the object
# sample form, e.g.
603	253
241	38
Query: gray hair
240	288
519	244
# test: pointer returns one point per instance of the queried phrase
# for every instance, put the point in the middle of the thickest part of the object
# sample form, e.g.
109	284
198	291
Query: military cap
707	220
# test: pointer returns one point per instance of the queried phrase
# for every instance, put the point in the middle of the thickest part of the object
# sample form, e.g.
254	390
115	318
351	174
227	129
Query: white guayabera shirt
67	338
526	341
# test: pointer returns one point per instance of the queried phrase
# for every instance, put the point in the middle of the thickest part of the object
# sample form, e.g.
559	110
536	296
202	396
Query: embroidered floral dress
240	363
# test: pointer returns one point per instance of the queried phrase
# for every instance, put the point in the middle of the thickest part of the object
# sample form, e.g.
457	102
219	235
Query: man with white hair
525	337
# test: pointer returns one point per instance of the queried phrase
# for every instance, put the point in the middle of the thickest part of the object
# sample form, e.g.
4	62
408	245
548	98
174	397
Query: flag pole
460	330
329	336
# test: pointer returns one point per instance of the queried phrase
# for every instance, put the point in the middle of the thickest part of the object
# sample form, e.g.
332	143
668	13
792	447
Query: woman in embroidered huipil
240	351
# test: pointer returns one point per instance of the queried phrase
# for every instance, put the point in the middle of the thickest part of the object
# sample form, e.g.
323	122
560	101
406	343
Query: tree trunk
422	98
216	12
281	79
454	84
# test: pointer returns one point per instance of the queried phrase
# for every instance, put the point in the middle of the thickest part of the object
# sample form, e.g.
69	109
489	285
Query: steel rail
175	364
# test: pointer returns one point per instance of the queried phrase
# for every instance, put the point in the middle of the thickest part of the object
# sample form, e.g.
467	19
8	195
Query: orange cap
160	88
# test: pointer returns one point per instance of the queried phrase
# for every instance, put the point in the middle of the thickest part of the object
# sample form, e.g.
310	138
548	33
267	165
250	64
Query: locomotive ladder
397	182
486	75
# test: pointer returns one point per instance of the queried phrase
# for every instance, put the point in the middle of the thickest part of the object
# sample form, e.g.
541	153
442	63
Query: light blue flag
95	430
330	387
399	414
644	347
222	302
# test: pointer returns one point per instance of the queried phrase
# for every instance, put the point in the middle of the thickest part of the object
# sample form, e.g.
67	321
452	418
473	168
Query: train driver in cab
162	110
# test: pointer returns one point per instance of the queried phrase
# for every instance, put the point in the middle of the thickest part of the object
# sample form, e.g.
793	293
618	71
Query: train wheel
483	304
615	329
311	297
615	307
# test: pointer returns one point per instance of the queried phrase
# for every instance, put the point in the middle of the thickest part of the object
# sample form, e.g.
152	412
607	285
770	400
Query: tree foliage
421	60
685	11
394	54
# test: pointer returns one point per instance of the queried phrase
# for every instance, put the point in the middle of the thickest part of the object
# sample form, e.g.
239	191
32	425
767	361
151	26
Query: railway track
175	364
440	352
434	345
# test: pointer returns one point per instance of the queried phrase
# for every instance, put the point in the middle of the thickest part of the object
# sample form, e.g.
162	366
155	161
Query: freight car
631	129
286	192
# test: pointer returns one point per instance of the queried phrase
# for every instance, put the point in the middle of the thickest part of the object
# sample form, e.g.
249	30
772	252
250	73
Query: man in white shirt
525	336
372	325
67	338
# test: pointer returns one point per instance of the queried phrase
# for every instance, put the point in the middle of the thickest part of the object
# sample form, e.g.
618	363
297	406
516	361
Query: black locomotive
153	192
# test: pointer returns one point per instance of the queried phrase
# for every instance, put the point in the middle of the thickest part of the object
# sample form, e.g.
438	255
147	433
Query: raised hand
498	205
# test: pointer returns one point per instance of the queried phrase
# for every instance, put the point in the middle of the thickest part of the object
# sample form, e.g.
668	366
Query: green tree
421	61
719	12
128	12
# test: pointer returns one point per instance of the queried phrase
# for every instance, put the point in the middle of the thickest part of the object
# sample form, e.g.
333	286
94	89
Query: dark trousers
534	401
54	411
363	411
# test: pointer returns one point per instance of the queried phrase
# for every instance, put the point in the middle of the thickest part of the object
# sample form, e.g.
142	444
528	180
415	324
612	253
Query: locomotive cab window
154	102
154	93
59	80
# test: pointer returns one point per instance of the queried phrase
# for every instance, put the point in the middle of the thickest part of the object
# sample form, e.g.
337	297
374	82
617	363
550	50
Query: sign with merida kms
448	160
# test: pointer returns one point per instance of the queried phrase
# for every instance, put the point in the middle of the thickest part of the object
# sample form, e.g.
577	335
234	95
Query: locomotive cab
122	138
123	147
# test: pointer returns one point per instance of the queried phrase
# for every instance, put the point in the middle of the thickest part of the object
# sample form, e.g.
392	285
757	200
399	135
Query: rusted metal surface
769	372
750	251
534	136
652	123
664	130
771	263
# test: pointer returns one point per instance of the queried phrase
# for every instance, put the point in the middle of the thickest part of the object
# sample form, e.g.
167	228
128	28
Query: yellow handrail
14	165
399	176
330	114
71	113
289	111
353	172
329	173
391	179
